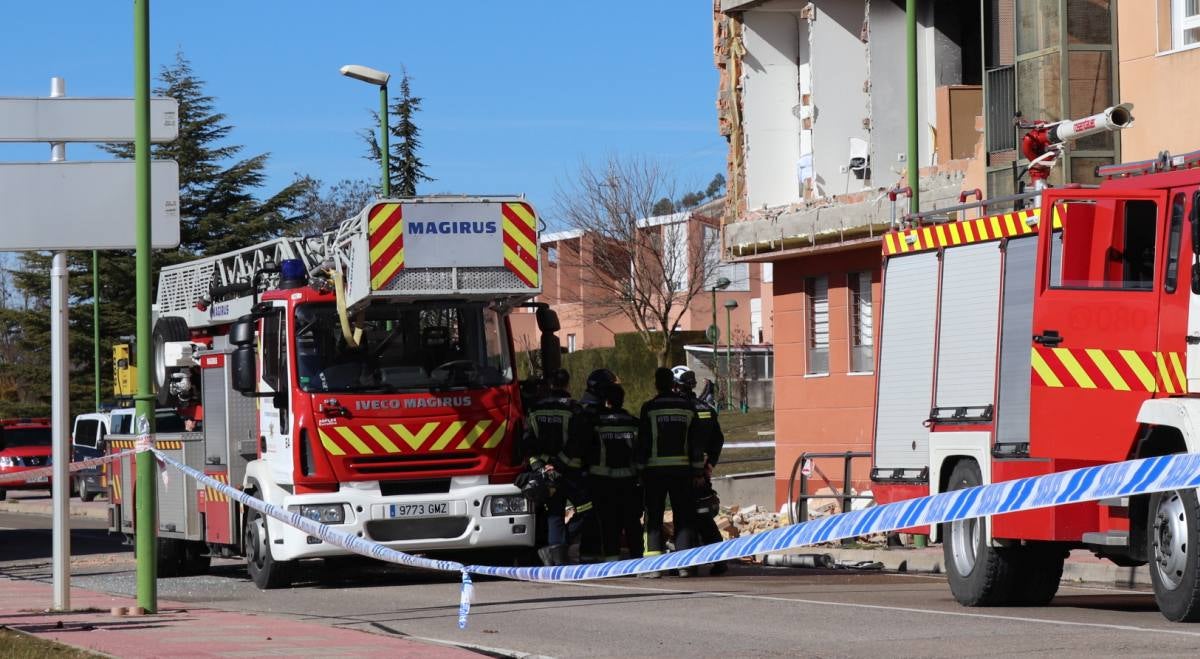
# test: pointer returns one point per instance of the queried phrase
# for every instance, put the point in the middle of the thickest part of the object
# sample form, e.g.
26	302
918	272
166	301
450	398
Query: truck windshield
402	347
10	437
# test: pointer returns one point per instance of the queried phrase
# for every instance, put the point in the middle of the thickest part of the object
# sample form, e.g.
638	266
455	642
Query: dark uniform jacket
667	434
708	430
611	452
558	432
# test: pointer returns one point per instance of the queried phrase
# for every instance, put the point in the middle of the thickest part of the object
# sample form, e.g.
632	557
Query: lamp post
379	78
714	332
730	305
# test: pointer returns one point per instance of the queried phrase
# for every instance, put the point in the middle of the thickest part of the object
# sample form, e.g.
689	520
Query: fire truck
365	378
1063	333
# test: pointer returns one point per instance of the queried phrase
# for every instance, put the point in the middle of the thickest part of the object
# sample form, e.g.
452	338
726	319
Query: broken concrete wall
840	95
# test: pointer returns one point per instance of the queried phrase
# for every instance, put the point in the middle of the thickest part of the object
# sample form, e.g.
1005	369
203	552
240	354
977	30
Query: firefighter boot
552	555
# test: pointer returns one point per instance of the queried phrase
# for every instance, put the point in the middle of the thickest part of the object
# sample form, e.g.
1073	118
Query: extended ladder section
954	294
401	249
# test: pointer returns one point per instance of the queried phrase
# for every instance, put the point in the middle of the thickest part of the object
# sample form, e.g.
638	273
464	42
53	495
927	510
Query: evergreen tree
406	169
220	211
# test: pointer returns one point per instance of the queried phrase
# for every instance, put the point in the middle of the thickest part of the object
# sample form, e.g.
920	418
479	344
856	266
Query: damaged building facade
813	100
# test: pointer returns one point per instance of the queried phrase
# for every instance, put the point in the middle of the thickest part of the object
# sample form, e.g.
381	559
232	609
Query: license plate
38	479
429	509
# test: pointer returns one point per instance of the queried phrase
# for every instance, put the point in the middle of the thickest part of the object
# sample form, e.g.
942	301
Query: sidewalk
183	630
37	502
1081	565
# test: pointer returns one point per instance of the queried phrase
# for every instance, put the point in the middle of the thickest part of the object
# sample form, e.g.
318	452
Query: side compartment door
273	422
1095	354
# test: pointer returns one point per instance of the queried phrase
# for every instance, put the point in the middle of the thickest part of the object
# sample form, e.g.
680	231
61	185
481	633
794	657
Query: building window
862	324
1185	23
570	343
817	289
552	254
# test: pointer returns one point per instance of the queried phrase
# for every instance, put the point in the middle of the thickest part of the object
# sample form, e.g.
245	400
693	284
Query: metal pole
60	406
146	524
384	151
914	155
728	359
716	363
96	323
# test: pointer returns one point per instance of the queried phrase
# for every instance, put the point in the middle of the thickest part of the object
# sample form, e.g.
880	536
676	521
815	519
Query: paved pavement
753	612
39	502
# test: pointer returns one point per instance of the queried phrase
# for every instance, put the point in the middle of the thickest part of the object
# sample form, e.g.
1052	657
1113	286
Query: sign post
59	206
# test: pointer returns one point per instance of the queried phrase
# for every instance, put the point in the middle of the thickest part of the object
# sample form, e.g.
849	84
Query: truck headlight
325	513
6	462
508	504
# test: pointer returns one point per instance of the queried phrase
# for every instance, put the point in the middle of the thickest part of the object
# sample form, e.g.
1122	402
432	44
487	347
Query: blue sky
516	93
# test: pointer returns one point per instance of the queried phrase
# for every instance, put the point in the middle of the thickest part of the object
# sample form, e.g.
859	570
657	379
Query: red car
24	444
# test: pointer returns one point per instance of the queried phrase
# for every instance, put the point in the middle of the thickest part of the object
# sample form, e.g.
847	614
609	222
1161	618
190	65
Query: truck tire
979	574
196	559
85	492
1039	572
3	494
1173	542
170	558
168	328
266	572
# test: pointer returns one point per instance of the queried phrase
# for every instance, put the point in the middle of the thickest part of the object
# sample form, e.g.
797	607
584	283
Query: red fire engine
364	378
1048	338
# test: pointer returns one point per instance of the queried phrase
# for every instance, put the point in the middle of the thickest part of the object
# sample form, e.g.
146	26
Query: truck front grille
411	464
390	530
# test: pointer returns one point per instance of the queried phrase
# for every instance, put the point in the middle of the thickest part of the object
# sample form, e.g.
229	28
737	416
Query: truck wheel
1173	541
1039	572
266	572
979	574
86	493
196	559
170	558
3	494
168	328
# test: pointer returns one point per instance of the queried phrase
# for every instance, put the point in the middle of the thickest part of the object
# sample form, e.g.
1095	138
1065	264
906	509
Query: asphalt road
752	612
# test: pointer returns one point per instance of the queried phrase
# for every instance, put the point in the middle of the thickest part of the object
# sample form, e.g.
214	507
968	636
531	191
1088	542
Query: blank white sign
69	119
84	205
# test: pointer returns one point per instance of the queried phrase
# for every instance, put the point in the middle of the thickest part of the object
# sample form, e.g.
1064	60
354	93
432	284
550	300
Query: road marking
961	614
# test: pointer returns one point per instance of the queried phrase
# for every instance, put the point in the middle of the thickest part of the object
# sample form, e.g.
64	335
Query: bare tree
647	268
324	207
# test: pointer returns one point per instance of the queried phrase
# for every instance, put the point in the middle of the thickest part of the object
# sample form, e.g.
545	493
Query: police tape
27	475
1134	477
348	541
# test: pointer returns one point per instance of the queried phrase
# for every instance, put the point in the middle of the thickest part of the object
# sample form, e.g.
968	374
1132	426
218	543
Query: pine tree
219	211
406	169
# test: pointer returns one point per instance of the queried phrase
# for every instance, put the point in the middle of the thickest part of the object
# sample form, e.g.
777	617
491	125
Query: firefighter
671	460
553	443
612	476
711	438
593	405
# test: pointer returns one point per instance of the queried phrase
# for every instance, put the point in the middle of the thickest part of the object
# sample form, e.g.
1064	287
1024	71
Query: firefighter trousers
619	509
570	486
659	484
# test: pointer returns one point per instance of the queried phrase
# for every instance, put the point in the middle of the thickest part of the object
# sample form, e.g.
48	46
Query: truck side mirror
242	370
547	319
551	354
241	333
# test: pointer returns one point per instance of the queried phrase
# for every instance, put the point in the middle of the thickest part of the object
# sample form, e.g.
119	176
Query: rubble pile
736	521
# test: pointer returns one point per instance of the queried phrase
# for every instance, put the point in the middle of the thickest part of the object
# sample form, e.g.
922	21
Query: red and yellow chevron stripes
1118	370
126	444
213	495
458	435
964	232
115	482
385	240
521	242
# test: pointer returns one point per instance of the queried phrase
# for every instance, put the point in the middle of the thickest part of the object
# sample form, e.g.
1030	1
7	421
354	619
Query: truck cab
1048	338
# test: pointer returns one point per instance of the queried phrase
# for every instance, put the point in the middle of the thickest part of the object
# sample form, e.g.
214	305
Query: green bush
629	358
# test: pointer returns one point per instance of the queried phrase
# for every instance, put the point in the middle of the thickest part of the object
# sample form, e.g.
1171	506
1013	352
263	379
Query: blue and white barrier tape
1160	474
29	474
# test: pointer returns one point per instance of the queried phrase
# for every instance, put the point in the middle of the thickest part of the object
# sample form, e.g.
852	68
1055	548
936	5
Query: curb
1087	570
44	508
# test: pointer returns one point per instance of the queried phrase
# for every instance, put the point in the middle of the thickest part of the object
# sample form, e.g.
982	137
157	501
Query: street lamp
730	305
379	78
714	332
